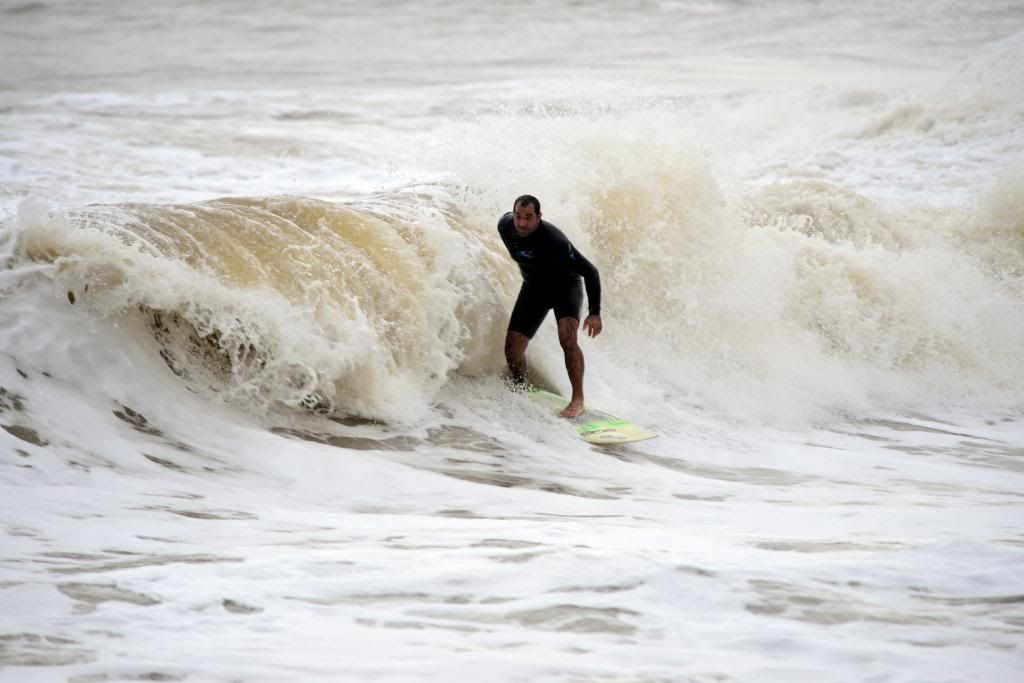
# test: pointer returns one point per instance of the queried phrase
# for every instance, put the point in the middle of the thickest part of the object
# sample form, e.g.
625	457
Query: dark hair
526	200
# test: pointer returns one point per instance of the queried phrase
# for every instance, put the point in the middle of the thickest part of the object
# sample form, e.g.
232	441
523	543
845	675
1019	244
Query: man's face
526	219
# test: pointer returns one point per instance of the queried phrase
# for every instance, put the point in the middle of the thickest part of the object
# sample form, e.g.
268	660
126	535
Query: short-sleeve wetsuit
551	269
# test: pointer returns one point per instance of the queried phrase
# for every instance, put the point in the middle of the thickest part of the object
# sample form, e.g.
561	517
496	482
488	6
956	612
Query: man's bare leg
573	364
515	356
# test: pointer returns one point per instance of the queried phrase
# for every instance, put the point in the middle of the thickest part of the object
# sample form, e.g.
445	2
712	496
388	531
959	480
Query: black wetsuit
551	269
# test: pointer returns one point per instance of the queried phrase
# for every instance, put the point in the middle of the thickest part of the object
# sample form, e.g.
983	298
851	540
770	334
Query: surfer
551	269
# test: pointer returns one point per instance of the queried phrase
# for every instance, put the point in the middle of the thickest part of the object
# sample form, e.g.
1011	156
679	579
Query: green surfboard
595	426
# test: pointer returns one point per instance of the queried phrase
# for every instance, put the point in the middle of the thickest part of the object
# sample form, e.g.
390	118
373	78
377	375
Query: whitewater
255	425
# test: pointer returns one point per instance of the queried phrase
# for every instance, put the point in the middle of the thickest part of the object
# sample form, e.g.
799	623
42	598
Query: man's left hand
592	325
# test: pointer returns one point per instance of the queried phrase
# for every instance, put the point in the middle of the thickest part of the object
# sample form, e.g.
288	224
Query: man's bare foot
574	409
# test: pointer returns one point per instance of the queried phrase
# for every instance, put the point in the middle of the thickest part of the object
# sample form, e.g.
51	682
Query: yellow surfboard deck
595	426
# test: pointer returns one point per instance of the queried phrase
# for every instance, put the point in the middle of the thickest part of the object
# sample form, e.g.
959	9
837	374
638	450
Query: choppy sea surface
252	306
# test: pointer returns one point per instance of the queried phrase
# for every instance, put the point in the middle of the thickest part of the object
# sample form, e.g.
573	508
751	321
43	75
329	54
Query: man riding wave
551	269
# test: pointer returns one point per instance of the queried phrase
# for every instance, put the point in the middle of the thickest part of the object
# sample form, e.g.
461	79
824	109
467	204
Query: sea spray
788	299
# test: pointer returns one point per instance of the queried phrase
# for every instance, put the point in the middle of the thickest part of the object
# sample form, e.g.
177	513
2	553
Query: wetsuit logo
525	254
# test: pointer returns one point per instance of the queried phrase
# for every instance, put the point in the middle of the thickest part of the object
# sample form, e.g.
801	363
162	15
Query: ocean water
252	306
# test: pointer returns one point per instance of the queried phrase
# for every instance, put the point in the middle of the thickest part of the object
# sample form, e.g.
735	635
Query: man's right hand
592	325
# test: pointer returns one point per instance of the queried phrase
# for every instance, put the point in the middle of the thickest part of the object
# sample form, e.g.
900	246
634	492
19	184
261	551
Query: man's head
526	214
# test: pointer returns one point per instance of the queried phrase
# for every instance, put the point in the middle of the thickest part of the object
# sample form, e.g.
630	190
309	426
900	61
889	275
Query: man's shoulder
505	220
551	232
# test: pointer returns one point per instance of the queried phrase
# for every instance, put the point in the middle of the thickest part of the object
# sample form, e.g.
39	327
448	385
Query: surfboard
595	426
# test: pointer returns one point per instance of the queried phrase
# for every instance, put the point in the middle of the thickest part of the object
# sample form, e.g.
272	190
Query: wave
983	99
284	300
796	296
